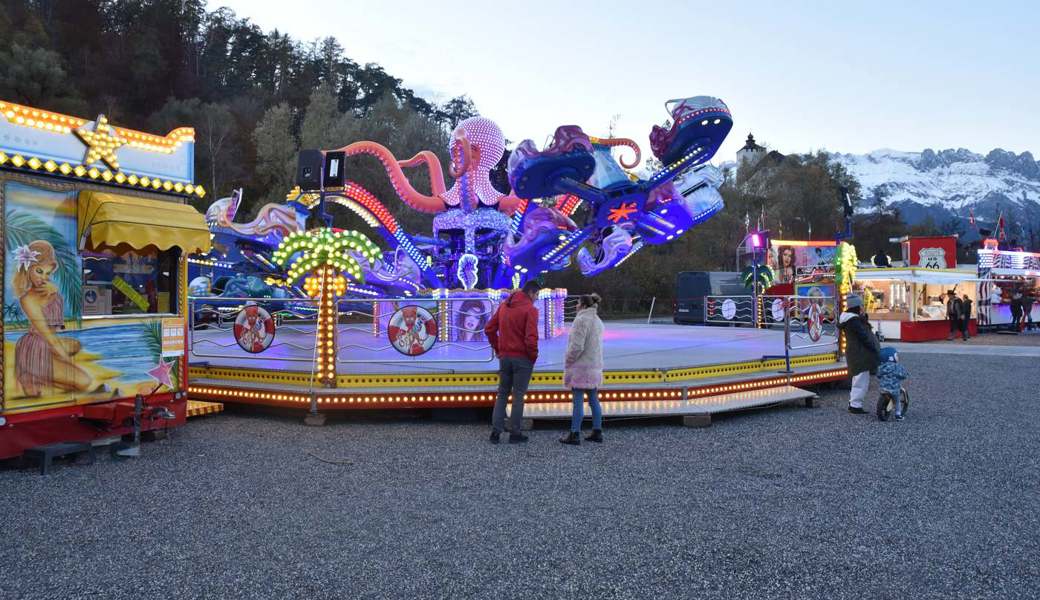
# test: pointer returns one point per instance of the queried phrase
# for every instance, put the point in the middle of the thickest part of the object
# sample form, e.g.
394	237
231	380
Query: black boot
595	436
571	438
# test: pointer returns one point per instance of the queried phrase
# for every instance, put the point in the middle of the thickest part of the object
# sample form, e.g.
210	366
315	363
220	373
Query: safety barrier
414	330
730	310
252	328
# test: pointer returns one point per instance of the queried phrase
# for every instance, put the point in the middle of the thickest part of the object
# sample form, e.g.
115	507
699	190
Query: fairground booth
908	302
96	229
1007	276
803	268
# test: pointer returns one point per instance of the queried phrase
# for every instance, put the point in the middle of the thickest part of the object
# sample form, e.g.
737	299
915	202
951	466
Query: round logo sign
777	308
729	309
254	329
412	330
815	324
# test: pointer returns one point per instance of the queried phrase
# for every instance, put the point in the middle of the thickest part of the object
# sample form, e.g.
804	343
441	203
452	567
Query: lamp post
753	242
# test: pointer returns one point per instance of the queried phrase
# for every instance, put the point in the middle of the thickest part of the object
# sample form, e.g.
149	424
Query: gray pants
513	376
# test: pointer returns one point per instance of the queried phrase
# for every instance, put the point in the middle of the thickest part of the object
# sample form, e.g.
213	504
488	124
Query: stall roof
113	219
938	276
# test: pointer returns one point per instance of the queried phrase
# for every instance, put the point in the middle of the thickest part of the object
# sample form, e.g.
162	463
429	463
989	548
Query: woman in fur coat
583	368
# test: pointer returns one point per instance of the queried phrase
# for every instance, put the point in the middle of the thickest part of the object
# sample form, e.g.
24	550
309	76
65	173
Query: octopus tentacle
433	164
412	197
611	142
509	204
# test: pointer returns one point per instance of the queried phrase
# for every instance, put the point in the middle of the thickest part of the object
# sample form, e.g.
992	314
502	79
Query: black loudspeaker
308	170
334	176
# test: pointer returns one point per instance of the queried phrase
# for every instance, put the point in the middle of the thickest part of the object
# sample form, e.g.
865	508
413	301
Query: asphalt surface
785	502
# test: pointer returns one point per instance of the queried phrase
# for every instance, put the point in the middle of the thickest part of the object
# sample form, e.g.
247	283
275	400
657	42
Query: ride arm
566	185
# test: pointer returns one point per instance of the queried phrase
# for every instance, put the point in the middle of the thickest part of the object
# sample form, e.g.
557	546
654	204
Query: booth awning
113	219
935	276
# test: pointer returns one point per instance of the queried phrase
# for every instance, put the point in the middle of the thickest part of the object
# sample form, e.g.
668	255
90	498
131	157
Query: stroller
891	375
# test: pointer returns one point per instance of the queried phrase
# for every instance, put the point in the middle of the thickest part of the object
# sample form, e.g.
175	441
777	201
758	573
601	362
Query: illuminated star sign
161	373
622	212
102	143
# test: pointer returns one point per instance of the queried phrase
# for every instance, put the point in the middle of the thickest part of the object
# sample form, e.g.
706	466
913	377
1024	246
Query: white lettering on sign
932	258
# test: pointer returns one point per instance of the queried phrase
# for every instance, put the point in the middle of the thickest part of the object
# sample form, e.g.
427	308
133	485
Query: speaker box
308	169
334	176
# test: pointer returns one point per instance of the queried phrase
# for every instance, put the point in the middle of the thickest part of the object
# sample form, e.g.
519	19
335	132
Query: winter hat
889	355
853	301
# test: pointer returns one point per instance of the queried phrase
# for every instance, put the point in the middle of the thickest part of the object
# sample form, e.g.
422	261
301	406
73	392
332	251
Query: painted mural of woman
42	359
785	264
471	319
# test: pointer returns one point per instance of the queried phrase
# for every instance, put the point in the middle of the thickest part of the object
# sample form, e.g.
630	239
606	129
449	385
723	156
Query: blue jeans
514	375
579	409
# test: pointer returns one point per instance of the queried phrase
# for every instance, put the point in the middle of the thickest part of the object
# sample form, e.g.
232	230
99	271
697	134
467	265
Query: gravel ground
781	502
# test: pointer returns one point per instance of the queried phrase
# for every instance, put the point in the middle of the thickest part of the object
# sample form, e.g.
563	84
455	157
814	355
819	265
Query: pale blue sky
849	77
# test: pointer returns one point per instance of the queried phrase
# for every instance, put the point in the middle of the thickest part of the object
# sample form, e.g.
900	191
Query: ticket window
127	281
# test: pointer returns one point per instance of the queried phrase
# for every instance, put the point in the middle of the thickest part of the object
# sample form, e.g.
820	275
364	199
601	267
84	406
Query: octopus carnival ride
485	238
407	328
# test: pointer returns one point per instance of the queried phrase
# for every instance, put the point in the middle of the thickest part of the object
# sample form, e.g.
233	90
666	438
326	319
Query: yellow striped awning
113	219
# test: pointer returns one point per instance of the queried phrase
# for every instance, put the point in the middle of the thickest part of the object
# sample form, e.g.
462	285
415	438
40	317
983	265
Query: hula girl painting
42	359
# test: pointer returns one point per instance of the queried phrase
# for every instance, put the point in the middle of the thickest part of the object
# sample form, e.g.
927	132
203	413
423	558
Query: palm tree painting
328	256
154	340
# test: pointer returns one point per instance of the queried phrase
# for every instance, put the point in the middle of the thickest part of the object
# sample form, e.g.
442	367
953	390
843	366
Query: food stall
908	302
1003	274
97	231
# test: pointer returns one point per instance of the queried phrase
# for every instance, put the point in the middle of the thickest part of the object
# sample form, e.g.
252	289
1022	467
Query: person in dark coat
965	316
1027	309
953	313
1017	308
862	350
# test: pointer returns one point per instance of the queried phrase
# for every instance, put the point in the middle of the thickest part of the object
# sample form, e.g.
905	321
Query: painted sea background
116	355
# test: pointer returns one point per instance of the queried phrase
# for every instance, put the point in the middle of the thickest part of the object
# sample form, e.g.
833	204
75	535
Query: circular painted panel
412	330
254	329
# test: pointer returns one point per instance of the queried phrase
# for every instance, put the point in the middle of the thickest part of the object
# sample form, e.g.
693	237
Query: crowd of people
513	335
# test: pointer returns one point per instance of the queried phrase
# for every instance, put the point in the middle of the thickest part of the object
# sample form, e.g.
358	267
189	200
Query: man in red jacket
513	334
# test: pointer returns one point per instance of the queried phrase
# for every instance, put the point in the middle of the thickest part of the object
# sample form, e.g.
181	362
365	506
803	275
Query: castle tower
751	152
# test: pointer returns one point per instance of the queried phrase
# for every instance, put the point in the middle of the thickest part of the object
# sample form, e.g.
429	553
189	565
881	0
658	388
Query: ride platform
642	363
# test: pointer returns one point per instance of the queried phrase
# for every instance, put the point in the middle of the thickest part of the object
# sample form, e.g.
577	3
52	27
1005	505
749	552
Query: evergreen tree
276	150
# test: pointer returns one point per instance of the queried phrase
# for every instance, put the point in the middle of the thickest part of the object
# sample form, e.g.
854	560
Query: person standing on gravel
513	335
954	308
965	316
1017	308
862	351
583	369
1027	309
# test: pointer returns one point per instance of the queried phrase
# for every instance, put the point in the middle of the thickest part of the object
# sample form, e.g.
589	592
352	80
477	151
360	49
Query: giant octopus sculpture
472	218
486	238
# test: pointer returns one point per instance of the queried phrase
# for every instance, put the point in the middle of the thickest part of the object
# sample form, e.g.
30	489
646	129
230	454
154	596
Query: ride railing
807	321
252	328
730	310
414	330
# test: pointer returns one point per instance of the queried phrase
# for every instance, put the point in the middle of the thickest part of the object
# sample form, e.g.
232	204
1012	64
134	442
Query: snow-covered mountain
945	184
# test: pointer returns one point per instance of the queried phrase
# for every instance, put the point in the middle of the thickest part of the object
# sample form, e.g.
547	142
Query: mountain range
943	186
